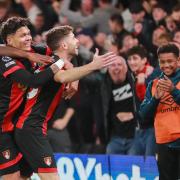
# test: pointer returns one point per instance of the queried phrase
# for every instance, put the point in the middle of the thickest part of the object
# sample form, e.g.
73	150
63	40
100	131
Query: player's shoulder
41	49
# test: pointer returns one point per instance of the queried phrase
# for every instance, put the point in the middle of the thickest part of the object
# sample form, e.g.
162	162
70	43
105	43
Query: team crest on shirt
48	161
6	154
168	100
6	58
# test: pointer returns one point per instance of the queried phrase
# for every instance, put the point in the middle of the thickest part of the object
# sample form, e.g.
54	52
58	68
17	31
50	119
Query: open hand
102	61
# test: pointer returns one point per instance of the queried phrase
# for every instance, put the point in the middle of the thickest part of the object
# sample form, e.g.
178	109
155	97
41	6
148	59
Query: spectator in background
164	39
170	24
4	10
98	19
39	24
176	36
138	64
89	136
159	14
58	134
144	142
162	105
32	8
156	43
176	15
73	17
116	25
118	108
143	25
128	42
156	34
123	6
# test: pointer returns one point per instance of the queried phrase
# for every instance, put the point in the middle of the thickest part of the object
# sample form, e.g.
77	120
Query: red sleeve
48	51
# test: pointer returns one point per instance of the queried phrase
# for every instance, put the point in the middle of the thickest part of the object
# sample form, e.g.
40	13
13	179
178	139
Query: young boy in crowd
144	142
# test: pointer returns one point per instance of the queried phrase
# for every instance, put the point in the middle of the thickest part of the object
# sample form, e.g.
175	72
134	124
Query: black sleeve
32	80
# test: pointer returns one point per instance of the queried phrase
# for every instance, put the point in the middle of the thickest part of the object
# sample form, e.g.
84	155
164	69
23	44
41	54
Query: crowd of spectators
103	115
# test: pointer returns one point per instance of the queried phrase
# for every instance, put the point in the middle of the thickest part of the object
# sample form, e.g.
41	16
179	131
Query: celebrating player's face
73	44
21	39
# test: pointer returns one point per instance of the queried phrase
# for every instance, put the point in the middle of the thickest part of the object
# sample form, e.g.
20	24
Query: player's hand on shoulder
38	58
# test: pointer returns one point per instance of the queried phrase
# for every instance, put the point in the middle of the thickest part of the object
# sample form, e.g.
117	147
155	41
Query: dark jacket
106	90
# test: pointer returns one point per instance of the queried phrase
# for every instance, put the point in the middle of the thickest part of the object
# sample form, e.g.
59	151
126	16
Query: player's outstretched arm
76	73
17	53
10	68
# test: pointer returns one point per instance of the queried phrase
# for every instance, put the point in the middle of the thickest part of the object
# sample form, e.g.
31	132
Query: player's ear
64	45
9	40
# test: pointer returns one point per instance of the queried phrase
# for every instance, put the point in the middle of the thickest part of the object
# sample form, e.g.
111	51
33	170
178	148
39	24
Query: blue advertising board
105	167
133	168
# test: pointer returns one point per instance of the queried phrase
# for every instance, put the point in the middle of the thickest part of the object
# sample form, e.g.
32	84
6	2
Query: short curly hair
54	35
11	26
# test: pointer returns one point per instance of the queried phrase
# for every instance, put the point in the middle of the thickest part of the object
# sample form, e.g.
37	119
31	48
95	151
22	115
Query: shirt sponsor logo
10	63
6	154
177	108
48	161
169	101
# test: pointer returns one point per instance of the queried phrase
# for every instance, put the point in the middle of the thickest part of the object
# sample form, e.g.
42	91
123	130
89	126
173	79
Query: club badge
6	154
48	161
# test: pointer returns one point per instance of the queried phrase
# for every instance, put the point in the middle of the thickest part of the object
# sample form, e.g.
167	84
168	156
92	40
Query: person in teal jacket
162	104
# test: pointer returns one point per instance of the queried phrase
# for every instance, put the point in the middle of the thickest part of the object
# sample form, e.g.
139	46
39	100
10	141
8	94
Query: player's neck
63	55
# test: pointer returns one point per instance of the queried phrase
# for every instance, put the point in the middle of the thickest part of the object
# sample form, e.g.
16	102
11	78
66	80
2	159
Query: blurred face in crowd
138	17
158	14
168	63
71	44
118	70
100	39
3	11
177	37
156	34
113	48
87	7
176	16
129	42
39	22
114	26
170	24
136	63
162	40
21	39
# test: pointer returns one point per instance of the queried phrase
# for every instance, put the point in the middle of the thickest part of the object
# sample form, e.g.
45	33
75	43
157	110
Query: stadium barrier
105	167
